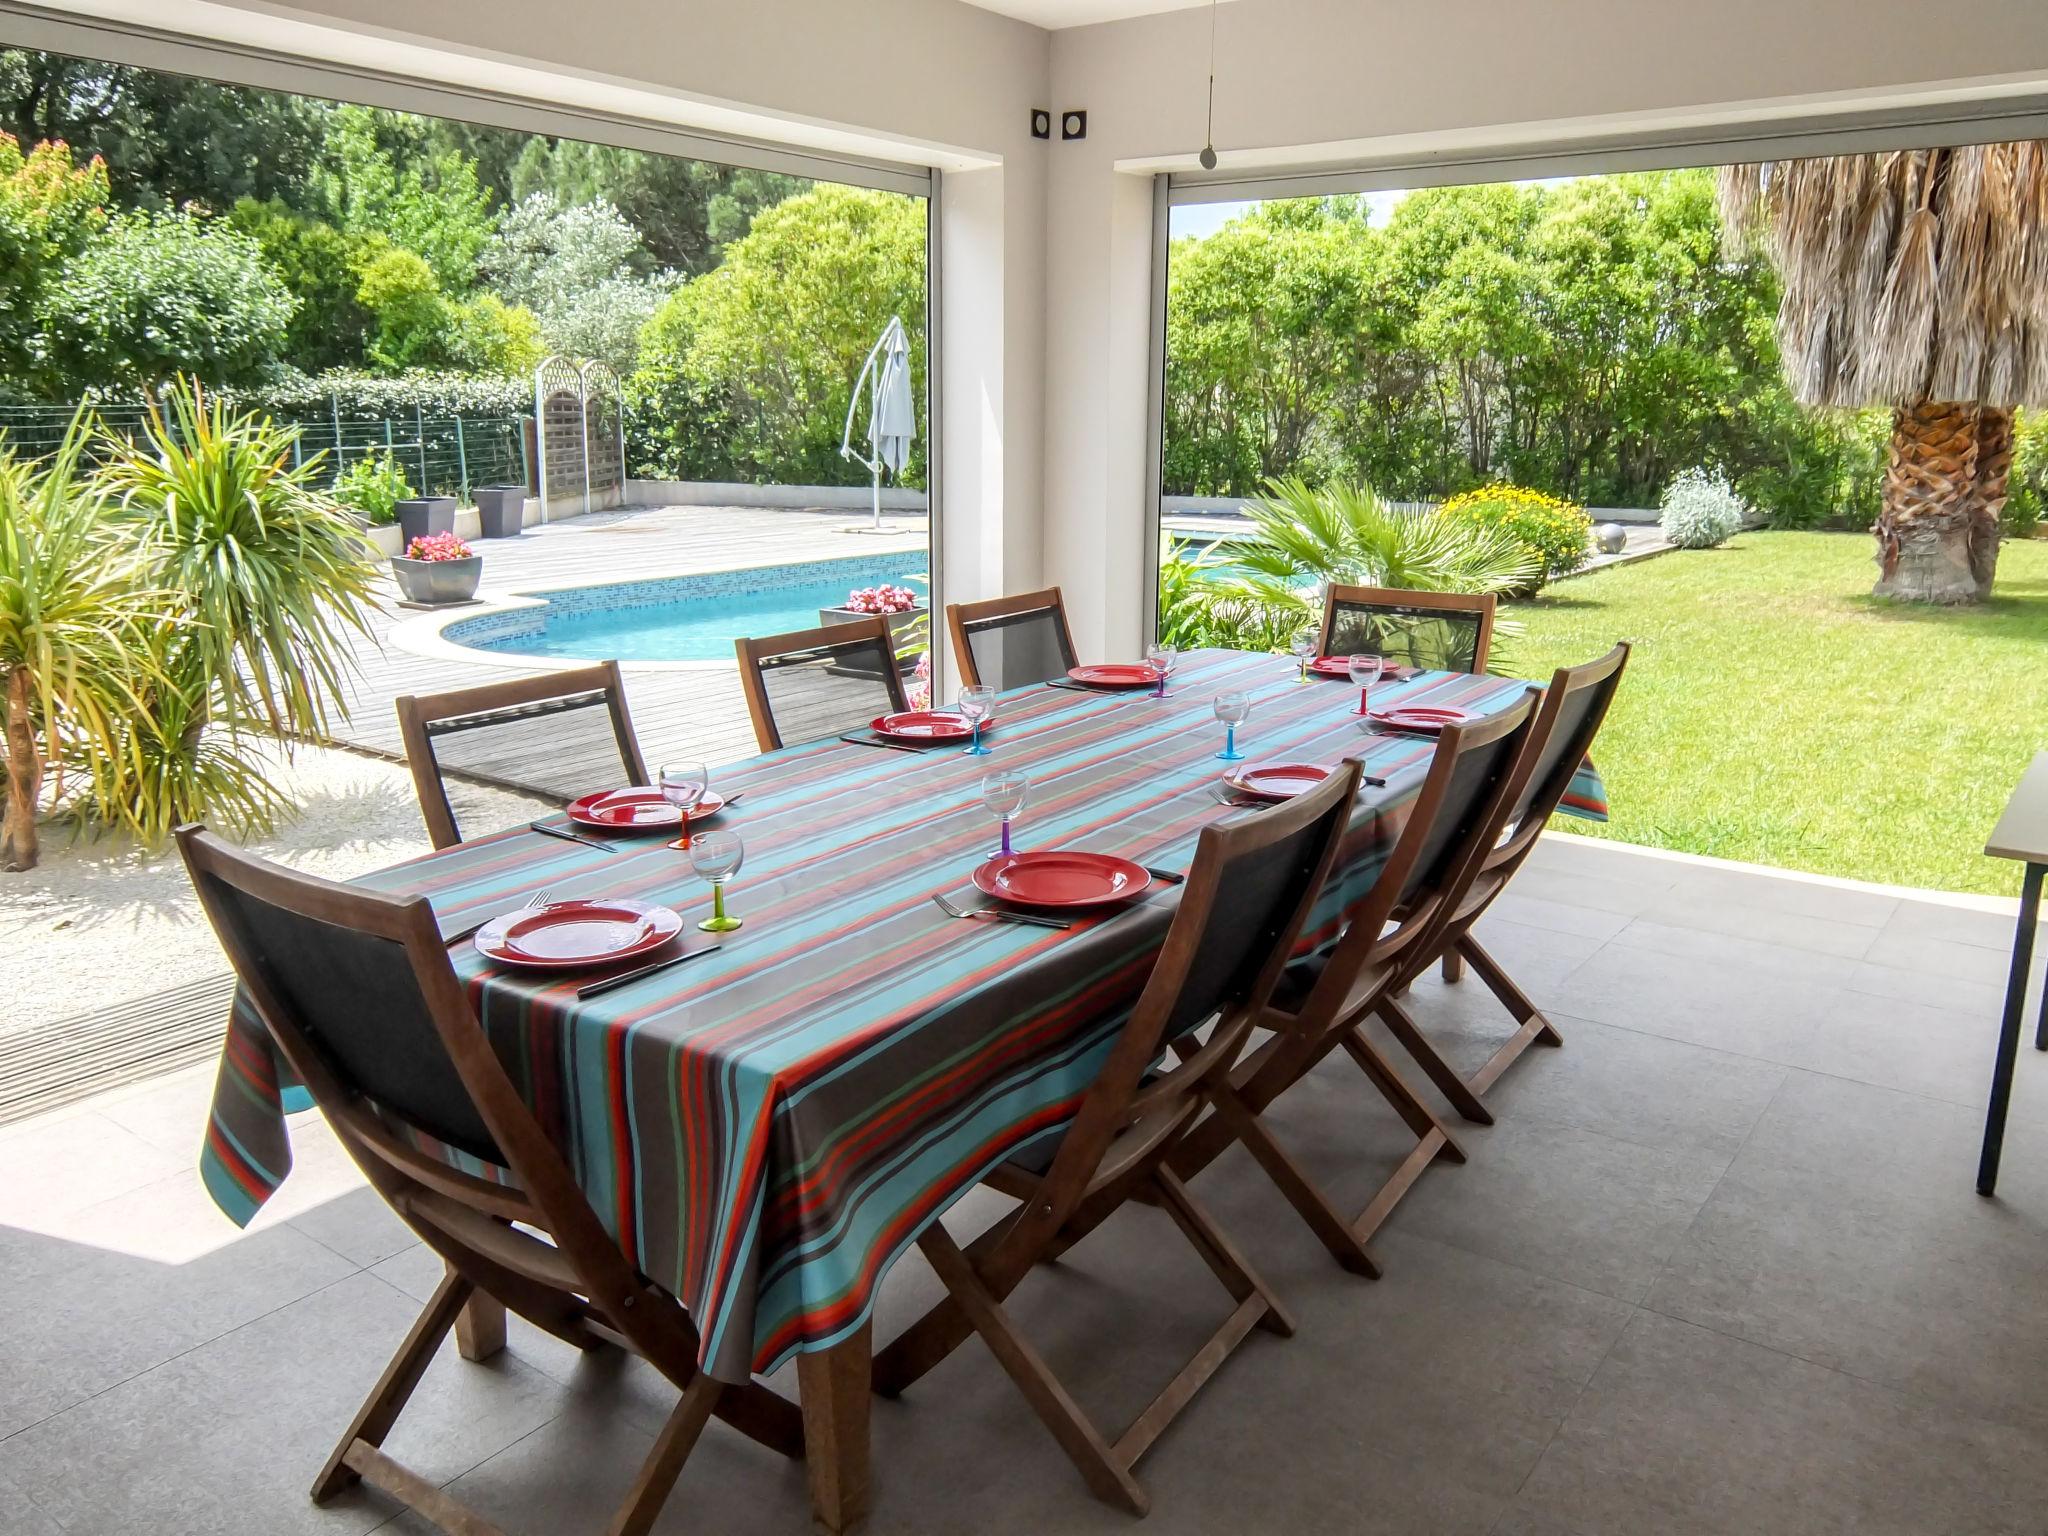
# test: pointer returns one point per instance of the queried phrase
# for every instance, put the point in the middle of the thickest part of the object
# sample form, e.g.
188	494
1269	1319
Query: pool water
686	618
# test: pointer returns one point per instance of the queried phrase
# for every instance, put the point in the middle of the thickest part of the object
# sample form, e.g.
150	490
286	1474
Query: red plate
577	933
1054	879
638	808
925	725
1116	674
1339	666
1278	781
1423	717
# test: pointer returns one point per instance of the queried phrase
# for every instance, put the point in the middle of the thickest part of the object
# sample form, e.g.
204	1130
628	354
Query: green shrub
373	486
1700	510
1555	531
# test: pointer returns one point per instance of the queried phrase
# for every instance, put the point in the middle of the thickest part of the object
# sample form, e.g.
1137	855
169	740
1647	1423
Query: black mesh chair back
1576	705
1012	642
1440	631
815	683
556	736
1473	791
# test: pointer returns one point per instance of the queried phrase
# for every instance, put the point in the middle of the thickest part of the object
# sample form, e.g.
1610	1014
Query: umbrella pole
878	496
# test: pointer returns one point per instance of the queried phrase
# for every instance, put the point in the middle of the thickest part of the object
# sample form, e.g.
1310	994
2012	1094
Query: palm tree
1916	280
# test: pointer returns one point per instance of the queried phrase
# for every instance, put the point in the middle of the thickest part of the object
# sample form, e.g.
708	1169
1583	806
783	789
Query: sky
1200	219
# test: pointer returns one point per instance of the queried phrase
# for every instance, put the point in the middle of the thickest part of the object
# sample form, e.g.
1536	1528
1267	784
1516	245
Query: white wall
1303	82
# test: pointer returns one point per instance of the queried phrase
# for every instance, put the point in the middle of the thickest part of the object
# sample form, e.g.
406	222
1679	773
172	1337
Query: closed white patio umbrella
892	413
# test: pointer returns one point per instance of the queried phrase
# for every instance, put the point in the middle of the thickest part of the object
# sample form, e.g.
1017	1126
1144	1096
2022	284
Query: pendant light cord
1209	128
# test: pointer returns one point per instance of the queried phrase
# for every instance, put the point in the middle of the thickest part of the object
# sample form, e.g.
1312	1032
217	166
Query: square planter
501	509
898	623
431	582
419	516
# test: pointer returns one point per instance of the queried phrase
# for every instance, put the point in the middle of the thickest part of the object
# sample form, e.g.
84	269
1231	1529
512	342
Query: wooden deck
697	713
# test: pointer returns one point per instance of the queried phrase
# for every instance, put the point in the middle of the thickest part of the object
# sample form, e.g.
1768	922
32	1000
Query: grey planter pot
438	581
419	516
898	624
501	509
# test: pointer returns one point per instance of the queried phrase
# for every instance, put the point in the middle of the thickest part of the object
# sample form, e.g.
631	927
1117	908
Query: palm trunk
24	776
1944	487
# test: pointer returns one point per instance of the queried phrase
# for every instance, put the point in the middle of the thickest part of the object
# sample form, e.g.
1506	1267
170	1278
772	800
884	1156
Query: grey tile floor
1718	1269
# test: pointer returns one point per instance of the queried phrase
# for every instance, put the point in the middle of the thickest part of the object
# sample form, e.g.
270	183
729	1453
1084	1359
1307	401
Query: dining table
767	1129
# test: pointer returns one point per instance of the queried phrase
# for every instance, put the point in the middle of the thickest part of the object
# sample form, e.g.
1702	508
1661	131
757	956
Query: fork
538	899
995	916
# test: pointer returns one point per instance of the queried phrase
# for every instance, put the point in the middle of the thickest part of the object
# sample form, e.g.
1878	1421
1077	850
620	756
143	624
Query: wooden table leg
834	1385
2009	1028
480	1327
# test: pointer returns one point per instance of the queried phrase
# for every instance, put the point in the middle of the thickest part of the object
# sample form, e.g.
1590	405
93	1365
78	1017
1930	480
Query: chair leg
1108	1478
907	1357
1293	1182
1535	1028
1453	966
395	1387
672	1447
1226	1262
1434	1067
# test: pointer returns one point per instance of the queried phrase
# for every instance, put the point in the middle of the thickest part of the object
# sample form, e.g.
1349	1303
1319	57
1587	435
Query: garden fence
440	455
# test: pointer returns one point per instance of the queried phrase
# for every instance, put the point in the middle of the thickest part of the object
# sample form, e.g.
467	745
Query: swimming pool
684	618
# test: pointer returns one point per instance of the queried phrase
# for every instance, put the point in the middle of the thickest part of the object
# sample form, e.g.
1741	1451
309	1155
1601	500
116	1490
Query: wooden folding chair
1443	631
1248	893
1323	1005
1573	709
1012	642
558	734
356	990
813	683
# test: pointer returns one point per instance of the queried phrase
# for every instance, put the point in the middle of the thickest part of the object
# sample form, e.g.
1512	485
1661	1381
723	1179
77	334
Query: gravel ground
100	920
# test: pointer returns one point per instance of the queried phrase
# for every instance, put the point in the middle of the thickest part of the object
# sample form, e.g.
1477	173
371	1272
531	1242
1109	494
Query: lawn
1773	711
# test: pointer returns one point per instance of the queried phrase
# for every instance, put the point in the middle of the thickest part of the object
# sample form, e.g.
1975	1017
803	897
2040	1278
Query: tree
1916	281
164	293
576	269
770	343
171	139
323	268
50	208
434	209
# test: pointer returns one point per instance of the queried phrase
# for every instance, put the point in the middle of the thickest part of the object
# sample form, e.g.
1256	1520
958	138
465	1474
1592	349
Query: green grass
1773	711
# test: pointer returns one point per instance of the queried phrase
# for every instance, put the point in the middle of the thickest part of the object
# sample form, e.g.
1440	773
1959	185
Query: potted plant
501	509
421	517
438	568
898	605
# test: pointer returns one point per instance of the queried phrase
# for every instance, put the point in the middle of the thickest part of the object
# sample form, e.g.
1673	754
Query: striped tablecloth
766	1129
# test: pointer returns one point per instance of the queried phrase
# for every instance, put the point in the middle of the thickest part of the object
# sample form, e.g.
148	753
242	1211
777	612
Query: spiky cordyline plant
74	658
272	575
1917	280
1306	537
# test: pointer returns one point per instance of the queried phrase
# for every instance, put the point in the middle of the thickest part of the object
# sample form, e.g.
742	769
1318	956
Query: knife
620	980
571	837
876	741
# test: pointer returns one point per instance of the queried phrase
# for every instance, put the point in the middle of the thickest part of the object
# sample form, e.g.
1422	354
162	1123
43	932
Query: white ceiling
1080	13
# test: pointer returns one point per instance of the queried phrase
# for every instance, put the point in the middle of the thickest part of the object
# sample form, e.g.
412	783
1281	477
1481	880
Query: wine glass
716	856
1004	793
1306	639
1364	670
1160	657
684	786
1231	708
975	705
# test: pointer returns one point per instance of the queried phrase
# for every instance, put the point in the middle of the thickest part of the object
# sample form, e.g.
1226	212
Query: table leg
2009	1028
834	1385
480	1327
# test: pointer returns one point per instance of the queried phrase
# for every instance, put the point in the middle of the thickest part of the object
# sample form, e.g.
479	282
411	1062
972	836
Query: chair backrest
813	683
1012	642
1248	893
557	735
1443	631
1453	820
1573	709
356	990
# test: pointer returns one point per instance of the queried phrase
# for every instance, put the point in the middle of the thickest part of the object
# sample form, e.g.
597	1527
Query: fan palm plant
1915	280
1305	538
74	621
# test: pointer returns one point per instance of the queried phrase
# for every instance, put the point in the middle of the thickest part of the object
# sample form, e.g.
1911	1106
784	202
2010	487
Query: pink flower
882	599
921	682
437	546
